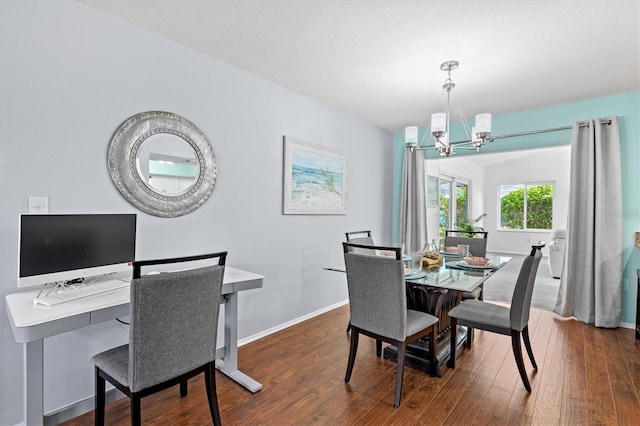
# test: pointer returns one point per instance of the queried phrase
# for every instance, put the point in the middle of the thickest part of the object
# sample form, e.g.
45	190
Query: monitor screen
62	247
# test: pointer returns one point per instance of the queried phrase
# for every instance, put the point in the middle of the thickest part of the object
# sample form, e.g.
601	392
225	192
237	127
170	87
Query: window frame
453	205
526	186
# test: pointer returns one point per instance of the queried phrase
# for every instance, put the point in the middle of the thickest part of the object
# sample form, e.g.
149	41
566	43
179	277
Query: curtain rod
532	132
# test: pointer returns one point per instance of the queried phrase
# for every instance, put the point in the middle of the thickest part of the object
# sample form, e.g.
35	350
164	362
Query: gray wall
71	75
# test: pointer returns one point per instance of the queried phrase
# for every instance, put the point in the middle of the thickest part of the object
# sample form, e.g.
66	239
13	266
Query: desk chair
378	307
172	335
501	319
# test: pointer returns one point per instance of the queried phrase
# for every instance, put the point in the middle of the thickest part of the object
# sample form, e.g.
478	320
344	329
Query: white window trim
526	184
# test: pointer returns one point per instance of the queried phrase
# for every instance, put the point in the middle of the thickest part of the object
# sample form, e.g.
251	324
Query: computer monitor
63	247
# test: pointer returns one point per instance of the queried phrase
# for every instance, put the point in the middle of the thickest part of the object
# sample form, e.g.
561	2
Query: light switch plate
38	205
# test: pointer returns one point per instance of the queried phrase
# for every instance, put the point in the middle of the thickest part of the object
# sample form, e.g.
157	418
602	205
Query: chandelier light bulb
483	123
438	122
411	136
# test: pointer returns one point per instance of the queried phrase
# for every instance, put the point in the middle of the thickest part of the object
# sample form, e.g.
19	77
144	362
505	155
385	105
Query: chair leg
212	395
349	327
433	355
100	399
402	349
184	389
517	354
527	344
469	338
136	418
352	353
378	348
454	339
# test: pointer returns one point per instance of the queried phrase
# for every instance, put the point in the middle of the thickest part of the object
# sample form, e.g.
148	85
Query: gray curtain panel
591	279
413	204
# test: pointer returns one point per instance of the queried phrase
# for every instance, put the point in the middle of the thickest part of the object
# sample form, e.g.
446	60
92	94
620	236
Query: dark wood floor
587	376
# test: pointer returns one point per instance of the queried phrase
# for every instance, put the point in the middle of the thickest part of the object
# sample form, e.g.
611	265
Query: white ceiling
380	60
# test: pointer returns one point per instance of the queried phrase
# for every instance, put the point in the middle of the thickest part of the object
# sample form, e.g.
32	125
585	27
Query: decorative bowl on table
476	261
451	249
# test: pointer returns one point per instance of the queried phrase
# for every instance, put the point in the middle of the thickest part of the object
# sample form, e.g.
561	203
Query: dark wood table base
437	302
417	356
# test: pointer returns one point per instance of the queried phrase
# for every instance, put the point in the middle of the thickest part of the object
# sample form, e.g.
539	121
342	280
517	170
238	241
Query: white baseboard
288	324
79	408
628	325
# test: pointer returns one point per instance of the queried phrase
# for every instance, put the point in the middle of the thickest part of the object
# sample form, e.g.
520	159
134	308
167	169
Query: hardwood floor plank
574	387
599	393
624	392
549	384
587	376
522	403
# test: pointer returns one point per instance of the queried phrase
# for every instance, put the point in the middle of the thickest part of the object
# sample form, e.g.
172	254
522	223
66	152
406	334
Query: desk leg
229	366
34	382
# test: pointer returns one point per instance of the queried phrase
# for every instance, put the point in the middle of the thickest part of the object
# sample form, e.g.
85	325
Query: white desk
33	323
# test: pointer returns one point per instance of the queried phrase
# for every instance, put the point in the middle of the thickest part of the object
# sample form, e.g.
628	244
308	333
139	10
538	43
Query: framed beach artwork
314	179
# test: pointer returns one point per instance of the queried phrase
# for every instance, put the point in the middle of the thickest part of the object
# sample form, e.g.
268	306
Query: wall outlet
625	284
38	205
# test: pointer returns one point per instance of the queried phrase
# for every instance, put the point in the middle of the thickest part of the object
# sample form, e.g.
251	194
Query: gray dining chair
360	237
512	320
378	307
477	247
172	334
477	244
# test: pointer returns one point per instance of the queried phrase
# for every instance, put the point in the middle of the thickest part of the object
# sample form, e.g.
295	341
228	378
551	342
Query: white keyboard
78	291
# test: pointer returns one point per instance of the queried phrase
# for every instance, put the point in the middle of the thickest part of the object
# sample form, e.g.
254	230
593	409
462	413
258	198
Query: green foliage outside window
539	214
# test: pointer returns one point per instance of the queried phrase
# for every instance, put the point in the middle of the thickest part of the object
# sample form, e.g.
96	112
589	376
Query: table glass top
451	275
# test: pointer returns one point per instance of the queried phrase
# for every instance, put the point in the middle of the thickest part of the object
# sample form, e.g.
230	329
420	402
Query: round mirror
167	164
162	163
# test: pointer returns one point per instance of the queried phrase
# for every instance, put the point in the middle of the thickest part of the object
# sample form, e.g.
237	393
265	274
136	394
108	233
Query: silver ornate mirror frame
123	153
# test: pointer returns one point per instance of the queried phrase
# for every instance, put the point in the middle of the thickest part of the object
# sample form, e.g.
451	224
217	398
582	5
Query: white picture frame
314	179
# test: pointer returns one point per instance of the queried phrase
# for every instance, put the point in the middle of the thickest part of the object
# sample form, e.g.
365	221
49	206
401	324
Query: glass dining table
457	275
436	289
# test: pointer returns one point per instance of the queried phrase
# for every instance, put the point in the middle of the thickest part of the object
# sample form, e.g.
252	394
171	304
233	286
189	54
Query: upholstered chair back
173	324
521	299
377	294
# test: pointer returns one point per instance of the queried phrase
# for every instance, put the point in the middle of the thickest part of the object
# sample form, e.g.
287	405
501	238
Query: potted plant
469	226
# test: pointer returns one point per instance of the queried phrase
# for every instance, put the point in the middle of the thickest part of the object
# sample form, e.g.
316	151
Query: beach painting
314	179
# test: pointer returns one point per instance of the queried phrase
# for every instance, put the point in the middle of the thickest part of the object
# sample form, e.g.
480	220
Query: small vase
432	251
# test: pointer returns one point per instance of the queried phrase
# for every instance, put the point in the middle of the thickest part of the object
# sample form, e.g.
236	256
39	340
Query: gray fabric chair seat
487	316
475	294
417	321
114	362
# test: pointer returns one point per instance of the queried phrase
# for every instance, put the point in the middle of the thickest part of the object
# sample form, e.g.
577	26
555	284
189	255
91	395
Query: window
526	206
454	201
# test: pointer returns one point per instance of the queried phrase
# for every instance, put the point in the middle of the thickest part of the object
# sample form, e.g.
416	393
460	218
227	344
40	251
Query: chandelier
477	135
